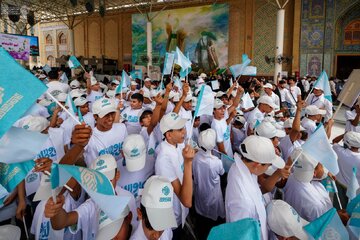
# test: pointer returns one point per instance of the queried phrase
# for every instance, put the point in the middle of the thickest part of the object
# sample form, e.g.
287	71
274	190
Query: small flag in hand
73	62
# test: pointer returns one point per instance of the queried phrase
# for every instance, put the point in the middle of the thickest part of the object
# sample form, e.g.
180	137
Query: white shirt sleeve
219	132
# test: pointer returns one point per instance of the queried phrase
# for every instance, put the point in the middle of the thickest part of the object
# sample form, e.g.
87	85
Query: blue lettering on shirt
227	133
44	230
97	97
113	150
133	119
47	153
134	187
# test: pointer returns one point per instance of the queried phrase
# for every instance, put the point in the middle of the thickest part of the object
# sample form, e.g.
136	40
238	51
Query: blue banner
12	174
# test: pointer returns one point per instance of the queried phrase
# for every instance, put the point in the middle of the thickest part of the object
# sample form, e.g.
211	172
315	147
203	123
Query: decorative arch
48	39
62	39
352	33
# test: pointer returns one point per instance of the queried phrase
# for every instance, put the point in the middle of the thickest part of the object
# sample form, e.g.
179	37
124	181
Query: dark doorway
345	65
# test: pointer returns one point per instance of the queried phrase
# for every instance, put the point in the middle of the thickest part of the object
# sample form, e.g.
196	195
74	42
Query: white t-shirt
254	116
41	226
38	110
243	197
222	130
349	116
69	124
132	119
170	164
322	103
138	234
92	97
207	170
56	87
295	92
310	200
238	137
88	219
109	142
309	125
347	159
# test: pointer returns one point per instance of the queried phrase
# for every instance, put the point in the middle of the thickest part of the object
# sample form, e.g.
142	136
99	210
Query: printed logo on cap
174	116
100	162
165	190
26	126
105	102
151	151
135	152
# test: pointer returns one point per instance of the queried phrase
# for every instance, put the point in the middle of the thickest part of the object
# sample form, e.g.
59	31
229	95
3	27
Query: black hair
145	113
53	74
138	96
204	127
145	218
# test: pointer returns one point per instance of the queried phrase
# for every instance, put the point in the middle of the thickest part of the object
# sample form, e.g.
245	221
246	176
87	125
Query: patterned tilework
264	36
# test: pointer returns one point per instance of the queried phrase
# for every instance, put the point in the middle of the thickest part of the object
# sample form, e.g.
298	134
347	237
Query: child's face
197	122
135	104
146	120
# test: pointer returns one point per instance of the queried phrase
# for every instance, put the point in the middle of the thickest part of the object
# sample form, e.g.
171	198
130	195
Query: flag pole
336	192
64	108
25	227
296	159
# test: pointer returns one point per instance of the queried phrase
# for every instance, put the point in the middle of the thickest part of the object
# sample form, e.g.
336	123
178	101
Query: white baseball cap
268	130
207	139
289	122
147	79
79	101
352	139
200	81
285	221
35	123
219	94
157	198
260	150
304	167
134	149
93	81
115	82
74	84
314	110
188	98
268	85
108	228
171	121
267	100
133	83
76	93
203	75
110	93
240	119
103	106
106	164
218	103
61	97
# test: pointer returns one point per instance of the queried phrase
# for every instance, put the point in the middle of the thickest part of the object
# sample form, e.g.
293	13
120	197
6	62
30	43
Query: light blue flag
184	72
54	178
246	101
250	71
64	78
181	60
353	204
244	229
238	69
12	174
71	105
168	63
73	62
354	222
97	185
205	101
353	185
19	145
329	185
137	73
327	226
3	195
323	83
46	68
81	119
120	87
126	79
19	89
319	148
177	82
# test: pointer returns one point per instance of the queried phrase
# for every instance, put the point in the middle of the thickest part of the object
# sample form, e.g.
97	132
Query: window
62	38
352	33
48	39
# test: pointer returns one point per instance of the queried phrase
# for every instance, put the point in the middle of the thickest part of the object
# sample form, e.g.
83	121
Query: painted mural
200	32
